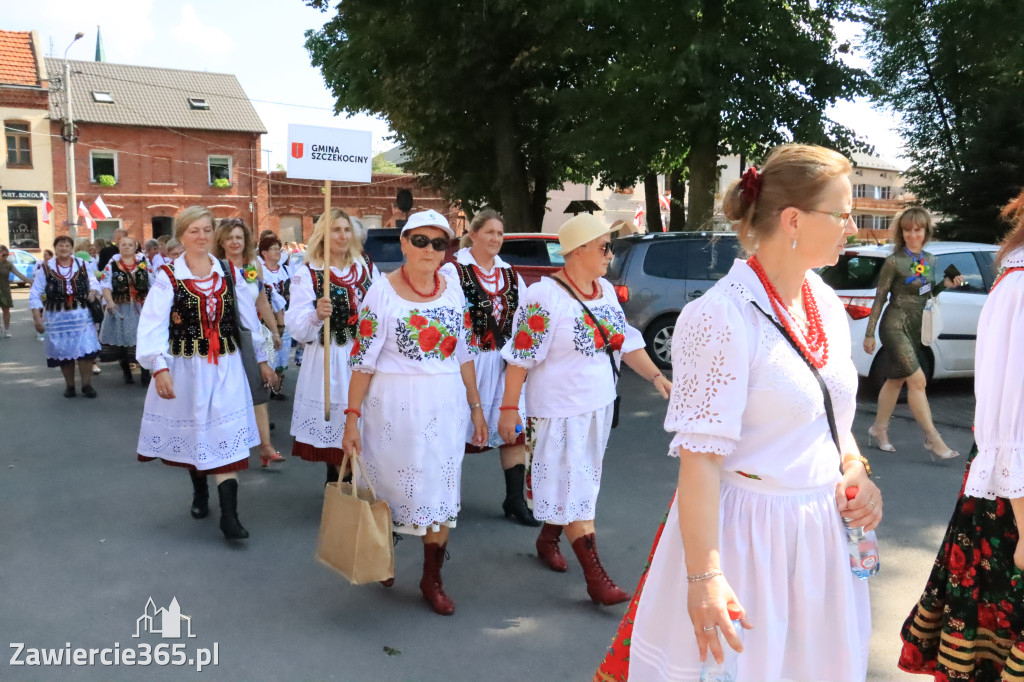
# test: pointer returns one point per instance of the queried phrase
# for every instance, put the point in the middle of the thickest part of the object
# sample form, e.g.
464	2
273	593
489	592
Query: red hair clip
750	185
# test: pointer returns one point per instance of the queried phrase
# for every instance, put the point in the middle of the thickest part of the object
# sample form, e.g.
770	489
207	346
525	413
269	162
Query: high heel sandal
933	443
880	435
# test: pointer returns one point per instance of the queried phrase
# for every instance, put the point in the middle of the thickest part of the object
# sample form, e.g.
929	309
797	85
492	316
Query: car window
384	249
526	252
711	260
555	253
620	249
988	265
967	265
667	259
24	258
853	271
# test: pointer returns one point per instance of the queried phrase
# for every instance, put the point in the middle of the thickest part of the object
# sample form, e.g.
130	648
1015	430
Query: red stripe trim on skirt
313	454
239	465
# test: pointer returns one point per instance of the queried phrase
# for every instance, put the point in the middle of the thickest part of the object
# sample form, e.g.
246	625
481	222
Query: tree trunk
510	172
539	203
653	209
677	212
703	167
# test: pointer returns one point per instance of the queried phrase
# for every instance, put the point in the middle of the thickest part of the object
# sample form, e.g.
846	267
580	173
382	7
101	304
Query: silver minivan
655	275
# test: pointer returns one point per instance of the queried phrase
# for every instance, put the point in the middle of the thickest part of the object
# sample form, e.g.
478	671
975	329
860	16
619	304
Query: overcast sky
261	42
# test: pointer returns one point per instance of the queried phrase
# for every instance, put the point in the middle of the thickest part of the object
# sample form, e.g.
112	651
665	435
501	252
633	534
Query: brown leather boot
430	584
599	586
547	548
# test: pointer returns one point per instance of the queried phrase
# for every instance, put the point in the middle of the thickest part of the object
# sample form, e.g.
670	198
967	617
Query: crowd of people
438	359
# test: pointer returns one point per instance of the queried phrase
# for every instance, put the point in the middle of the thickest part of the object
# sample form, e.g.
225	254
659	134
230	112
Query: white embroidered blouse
998	468
569	371
739	389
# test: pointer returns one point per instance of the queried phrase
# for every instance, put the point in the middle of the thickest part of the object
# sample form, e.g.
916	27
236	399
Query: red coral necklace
432	294
593	294
813	343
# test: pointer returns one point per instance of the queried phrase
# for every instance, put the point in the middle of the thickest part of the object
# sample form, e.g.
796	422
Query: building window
23	226
861	191
198	103
102	97
883	192
103	167
19	144
220	169
105	229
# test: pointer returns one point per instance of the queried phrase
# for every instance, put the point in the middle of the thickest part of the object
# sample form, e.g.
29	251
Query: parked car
855	278
655	275
25	263
534	254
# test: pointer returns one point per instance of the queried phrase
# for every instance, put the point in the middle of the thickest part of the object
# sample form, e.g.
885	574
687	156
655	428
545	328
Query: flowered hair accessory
750	185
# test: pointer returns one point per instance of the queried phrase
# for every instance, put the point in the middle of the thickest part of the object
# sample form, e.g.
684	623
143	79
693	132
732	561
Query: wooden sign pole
328	235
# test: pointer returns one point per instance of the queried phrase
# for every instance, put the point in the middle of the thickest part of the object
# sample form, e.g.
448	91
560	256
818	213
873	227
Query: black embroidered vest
481	308
122	283
345	311
57	297
187	337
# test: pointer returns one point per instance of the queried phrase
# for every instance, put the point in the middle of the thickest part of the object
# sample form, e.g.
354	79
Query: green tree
954	70
476	92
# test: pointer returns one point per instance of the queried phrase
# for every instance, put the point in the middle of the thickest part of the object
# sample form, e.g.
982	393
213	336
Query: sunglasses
420	241
606	248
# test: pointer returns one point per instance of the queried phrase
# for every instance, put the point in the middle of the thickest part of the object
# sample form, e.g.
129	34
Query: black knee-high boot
127	370
515	496
200	495
229	523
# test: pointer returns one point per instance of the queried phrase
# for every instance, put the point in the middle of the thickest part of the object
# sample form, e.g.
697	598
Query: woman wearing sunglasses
492	288
351	275
414	386
570	397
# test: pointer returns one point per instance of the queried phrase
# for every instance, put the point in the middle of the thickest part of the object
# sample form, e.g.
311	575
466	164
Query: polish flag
47	212
84	213
99	209
665	202
638	217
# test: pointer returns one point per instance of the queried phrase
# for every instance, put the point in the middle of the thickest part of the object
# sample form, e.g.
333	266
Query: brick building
152	141
26	173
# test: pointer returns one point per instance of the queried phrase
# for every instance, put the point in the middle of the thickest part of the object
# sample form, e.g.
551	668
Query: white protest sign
316	153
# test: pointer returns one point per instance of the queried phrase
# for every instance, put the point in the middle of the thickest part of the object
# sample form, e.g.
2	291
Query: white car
855	278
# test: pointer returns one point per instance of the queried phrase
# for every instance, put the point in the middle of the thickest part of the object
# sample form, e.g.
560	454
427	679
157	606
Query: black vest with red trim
482	307
345	310
57	297
123	283
187	334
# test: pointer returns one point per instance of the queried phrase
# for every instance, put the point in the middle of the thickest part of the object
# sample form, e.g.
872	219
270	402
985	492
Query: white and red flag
99	209
84	213
638	217
47	212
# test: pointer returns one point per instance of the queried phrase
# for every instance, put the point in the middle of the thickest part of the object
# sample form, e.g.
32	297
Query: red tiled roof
17	61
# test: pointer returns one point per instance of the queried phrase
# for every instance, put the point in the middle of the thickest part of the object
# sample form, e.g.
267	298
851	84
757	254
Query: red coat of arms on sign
297	150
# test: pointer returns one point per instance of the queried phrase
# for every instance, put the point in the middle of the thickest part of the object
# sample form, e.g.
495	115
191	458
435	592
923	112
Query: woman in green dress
908	280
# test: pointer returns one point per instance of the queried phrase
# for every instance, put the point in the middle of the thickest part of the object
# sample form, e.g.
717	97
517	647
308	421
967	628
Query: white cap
429	218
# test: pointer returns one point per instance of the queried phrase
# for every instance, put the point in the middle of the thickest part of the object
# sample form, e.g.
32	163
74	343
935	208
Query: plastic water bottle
862	545
41	336
728	669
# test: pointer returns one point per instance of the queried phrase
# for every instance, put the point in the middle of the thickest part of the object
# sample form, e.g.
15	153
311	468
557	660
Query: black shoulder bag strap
598	328
829	414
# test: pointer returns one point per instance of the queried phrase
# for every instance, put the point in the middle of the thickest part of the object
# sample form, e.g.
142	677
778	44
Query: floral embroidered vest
345	300
126	286
191	331
481	307
57	297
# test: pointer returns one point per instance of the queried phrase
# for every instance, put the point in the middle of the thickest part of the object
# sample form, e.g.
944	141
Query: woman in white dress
67	285
198	412
351	275
233	241
125	284
755	525
492	289
570	395
414	387
278	280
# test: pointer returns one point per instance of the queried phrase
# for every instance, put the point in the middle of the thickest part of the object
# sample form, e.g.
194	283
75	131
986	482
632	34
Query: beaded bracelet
508	407
352	410
160	370
702	576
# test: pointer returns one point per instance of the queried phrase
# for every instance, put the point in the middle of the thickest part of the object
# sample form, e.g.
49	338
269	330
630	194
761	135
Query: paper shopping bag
355	531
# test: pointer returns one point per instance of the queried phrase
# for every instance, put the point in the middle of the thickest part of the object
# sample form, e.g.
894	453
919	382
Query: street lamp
70	138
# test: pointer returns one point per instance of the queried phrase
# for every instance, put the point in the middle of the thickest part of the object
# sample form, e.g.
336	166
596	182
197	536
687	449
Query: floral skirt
968	623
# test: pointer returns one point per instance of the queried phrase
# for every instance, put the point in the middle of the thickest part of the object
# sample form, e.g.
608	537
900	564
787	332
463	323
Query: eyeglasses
420	241
838	215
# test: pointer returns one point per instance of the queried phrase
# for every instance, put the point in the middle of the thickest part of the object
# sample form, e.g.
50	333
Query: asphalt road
88	535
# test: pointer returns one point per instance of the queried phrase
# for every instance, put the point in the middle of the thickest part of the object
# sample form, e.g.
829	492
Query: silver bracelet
702	576
473	406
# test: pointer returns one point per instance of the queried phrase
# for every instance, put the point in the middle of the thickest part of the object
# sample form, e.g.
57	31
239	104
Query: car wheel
659	341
